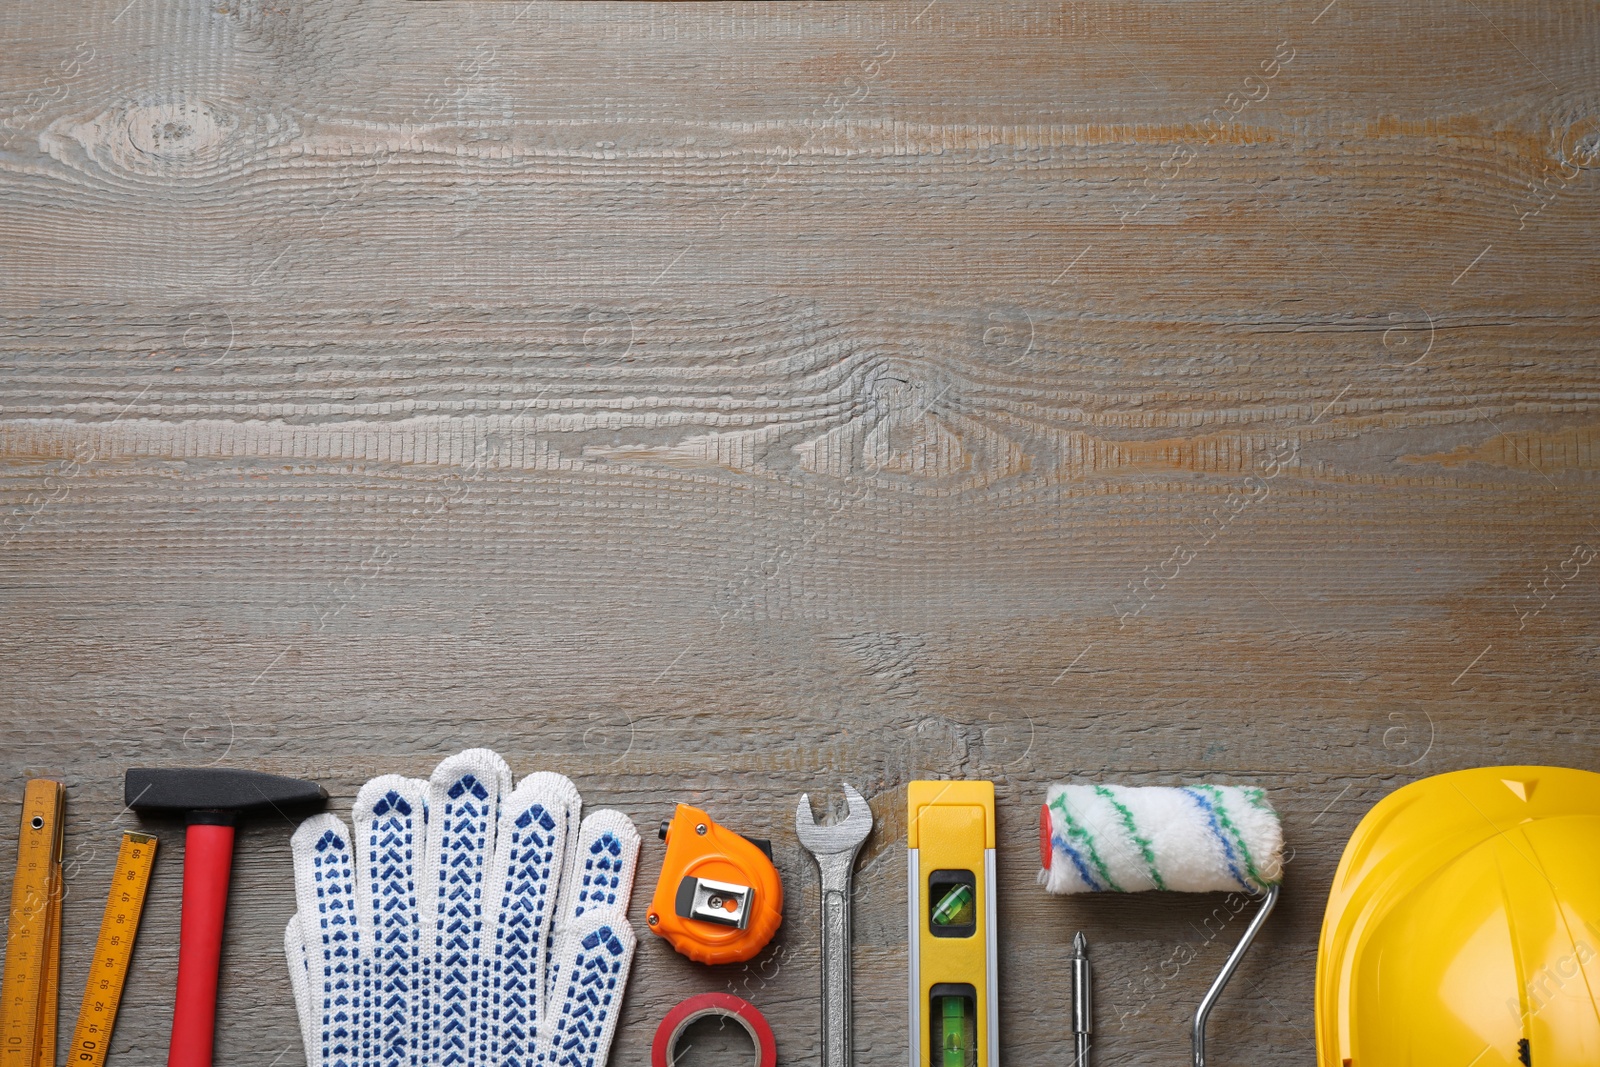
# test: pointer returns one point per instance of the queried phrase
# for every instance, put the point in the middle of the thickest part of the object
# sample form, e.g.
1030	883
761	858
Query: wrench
834	848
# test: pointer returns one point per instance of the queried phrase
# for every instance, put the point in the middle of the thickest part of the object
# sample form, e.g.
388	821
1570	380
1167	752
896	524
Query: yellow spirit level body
955	1002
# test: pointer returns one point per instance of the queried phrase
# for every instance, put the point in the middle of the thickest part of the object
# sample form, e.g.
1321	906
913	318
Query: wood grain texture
716	402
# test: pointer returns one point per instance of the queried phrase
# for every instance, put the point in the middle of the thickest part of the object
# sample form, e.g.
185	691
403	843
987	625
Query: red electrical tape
664	1050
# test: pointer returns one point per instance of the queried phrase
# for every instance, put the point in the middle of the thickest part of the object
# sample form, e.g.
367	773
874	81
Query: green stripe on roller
1258	800
1145	848
1227	824
1078	833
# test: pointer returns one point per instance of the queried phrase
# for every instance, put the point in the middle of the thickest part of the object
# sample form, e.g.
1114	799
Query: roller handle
1268	902
207	866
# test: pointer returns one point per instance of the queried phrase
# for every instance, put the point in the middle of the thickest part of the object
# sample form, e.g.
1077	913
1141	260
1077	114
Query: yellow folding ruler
112	951
33	940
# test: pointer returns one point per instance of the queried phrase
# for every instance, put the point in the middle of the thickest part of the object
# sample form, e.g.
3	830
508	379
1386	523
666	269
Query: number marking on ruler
112	951
33	959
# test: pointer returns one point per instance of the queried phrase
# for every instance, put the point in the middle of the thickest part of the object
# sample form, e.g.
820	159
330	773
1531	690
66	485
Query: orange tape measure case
719	898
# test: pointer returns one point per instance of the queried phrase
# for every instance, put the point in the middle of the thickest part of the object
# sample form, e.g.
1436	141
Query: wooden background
716	402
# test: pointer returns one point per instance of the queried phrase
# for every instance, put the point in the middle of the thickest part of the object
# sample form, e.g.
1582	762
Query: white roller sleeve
1194	839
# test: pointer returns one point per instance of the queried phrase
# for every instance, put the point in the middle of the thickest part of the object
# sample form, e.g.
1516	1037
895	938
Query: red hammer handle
207	865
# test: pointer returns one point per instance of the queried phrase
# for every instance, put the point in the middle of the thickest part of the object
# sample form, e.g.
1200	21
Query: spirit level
955	999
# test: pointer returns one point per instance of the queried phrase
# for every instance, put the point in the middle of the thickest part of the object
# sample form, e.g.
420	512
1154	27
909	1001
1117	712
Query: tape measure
113	950
28	991
719	898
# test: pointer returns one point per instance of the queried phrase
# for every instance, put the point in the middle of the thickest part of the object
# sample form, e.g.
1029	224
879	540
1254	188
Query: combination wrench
834	848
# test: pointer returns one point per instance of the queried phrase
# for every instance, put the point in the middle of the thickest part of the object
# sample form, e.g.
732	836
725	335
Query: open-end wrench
834	848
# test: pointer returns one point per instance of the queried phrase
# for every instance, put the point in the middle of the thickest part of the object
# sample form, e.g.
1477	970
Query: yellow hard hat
1463	928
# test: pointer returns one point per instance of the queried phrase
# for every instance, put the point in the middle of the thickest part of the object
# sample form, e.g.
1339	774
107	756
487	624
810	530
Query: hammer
212	799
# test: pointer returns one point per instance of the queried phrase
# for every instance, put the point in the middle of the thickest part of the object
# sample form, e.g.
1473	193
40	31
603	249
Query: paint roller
1194	839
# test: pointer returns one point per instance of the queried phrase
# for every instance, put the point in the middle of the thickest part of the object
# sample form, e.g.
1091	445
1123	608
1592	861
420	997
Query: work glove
466	924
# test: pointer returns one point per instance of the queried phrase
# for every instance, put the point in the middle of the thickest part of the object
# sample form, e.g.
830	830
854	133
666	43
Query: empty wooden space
715	402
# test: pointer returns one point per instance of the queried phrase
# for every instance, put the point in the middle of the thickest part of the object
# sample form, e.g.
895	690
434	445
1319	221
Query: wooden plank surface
717	402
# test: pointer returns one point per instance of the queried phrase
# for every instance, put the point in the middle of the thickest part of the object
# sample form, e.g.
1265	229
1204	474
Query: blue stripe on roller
1077	861
1210	813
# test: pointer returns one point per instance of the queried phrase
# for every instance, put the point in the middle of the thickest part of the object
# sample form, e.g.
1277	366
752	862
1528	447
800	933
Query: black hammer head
214	794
